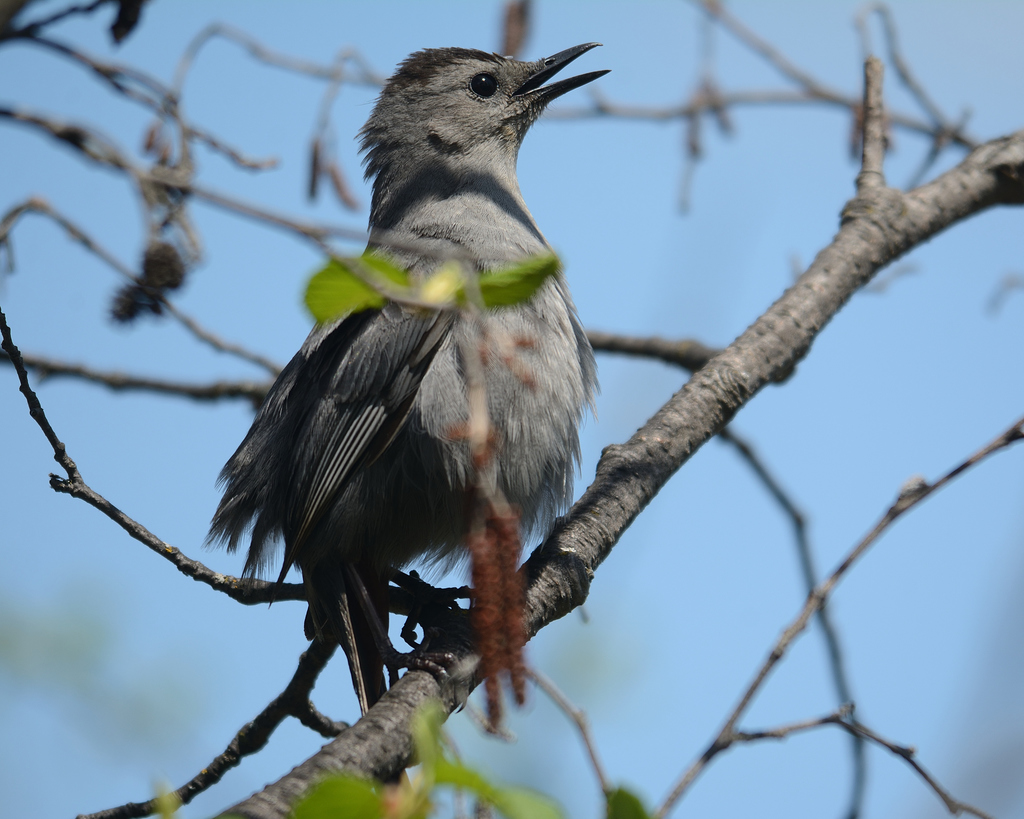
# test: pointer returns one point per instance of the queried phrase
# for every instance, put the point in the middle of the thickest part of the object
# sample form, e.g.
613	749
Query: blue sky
116	672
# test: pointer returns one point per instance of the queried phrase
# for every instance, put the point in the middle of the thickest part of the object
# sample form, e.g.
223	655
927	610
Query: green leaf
513	803
521	803
336	291
167	803
457	774
624	805
341	797
380	265
516	284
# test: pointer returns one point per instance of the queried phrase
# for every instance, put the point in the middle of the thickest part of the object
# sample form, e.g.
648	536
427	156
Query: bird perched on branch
354	459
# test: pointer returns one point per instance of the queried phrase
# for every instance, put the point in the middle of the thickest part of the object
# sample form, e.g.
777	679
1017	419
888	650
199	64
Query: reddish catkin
509	551
497	613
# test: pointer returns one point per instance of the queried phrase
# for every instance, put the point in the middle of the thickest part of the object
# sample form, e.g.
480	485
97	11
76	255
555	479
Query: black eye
484	85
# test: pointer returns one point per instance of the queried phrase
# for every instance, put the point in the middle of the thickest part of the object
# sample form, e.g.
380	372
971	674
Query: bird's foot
419	659
424	594
424	597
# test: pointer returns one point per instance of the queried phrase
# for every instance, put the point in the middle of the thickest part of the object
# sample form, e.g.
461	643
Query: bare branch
148	91
883	283
718	12
9	10
323	159
248	592
902	67
37	25
515	27
872	234
784	731
872	174
45	367
43	208
837	662
292	702
90	143
217	342
366	75
125	80
162	178
217	145
1007	284
954	806
579	717
862	733
689	354
912	493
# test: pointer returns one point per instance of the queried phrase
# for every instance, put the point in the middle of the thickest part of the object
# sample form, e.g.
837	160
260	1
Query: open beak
534	85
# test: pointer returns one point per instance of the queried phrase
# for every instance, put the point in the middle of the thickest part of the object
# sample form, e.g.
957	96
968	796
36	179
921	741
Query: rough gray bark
878	226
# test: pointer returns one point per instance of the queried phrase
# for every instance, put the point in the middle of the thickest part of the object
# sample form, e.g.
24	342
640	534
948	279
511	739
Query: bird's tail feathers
335	613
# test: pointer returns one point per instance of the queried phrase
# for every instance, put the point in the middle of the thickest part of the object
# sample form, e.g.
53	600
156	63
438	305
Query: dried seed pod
341	187
130	301
162	267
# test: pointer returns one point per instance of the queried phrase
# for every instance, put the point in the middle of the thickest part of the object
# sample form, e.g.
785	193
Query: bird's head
463	107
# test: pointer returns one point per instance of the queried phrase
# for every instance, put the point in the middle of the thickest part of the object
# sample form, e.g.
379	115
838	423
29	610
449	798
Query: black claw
434	662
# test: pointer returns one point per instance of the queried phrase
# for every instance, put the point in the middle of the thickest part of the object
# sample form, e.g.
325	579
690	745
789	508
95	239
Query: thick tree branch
877	228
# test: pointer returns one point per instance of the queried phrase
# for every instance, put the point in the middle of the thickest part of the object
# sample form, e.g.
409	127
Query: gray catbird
353	457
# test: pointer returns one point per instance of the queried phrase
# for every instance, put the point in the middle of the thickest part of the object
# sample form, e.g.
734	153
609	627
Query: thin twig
938	128
872	174
217	145
908	754
579	717
75	233
601	106
37	25
903	72
106	153
784	731
292	702
323	159
45	367
258	51
717	11
689	354
216	341
912	493
126	80
151	93
862	733
1007	284
248	592
837	662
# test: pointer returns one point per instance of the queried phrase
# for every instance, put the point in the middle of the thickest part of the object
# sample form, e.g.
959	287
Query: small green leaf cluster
623	804
349	797
345	286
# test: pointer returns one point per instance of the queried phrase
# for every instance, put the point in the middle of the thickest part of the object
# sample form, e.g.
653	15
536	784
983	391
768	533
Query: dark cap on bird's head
451	100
